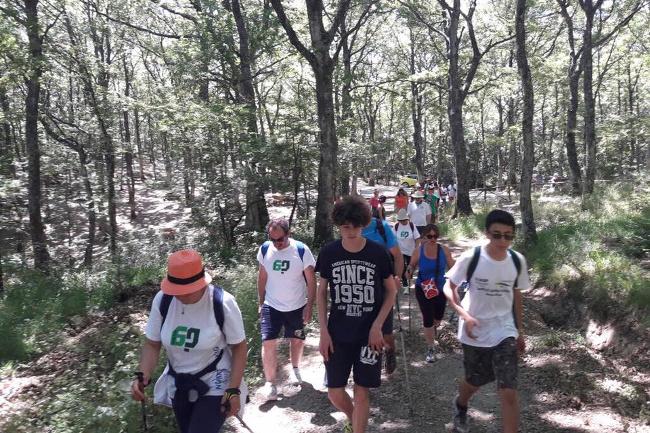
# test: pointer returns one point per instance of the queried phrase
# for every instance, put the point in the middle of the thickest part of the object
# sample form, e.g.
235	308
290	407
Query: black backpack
217	305
472	267
410	224
379	226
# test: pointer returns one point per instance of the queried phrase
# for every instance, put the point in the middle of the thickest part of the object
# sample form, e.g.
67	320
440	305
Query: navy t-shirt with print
356	284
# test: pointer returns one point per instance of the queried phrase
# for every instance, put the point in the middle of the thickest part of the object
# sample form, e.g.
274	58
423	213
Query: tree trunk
257	214
327	168
455	113
528	162
416	115
7	166
588	95
128	154
323	66
138	143
90	206
575	175
33	83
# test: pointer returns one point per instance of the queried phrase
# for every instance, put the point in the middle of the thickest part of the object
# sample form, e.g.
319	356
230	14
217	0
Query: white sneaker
431	355
294	376
270	391
406	290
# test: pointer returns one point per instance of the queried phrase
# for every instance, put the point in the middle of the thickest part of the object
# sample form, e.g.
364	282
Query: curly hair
351	209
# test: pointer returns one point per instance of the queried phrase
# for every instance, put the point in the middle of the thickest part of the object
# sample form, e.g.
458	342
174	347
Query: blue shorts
364	362
272	322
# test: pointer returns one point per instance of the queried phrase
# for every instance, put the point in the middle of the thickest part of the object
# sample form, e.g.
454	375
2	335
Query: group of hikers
424	205
353	283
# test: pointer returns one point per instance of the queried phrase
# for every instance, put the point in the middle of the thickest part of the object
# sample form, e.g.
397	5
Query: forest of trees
234	99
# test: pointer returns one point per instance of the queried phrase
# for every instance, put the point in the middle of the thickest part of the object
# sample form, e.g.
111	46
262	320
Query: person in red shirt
401	200
374	200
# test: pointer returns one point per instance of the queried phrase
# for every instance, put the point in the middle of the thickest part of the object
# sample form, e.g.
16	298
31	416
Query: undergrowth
597	246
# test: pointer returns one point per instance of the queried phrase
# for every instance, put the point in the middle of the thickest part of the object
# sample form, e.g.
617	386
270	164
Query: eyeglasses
498	236
431	236
278	240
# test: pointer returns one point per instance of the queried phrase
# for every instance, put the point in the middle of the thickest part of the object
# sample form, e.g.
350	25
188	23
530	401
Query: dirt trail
559	387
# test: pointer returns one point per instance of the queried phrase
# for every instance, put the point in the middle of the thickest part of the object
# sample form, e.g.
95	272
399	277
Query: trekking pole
409	284
143	406
406	371
226	406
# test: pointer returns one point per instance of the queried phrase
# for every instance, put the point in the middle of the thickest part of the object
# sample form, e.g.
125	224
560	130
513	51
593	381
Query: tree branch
619	26
291	34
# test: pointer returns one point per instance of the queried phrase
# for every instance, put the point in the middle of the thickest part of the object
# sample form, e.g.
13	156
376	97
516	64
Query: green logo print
281	265
185	337
404	234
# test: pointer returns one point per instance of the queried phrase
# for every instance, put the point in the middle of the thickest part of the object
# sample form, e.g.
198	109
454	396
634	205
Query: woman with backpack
433	260
202	330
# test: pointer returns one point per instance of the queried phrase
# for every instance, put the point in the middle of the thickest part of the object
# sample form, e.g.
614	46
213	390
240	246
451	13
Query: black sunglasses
278	240
498	236
431	236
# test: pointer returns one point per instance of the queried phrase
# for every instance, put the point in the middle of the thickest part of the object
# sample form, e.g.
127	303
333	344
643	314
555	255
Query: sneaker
406	290
459	418
391	361
347	427
294	376
431	355
270	391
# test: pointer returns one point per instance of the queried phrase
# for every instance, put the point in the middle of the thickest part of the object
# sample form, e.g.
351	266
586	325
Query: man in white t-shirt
419	211
286	286
407	235
490	318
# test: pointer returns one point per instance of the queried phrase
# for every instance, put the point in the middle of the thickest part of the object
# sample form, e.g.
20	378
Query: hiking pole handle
140	376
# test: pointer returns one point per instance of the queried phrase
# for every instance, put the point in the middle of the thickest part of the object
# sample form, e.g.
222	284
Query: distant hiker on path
432	259
419	211
358	275
401	200
202	330
407	235
490	319
286	287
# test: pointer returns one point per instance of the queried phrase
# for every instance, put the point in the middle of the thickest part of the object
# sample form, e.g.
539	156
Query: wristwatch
231	392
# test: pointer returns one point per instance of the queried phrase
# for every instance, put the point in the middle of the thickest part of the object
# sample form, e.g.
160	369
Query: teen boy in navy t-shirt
362	290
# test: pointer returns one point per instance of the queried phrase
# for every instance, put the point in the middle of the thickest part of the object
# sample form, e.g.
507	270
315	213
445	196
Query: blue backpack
301	248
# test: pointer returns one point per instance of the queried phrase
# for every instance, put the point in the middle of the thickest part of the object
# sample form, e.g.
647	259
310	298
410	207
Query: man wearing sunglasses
286	286
490	319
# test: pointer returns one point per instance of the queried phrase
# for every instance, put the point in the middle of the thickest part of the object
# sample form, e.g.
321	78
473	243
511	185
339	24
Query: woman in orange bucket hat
202	330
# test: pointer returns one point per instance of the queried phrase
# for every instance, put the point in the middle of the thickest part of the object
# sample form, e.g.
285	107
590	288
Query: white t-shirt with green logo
192	340
490	296
286	289
406	237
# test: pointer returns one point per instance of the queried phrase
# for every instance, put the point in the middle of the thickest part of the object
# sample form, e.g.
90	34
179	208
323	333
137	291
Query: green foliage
595	247
462	227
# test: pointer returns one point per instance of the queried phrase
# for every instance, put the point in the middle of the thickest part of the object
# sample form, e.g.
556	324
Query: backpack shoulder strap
517	262
380	228
301	249
164	307
396	226
217	305
412	227
264	248
473	263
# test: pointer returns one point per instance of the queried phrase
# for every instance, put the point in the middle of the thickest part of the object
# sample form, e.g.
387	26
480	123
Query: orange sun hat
185	273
